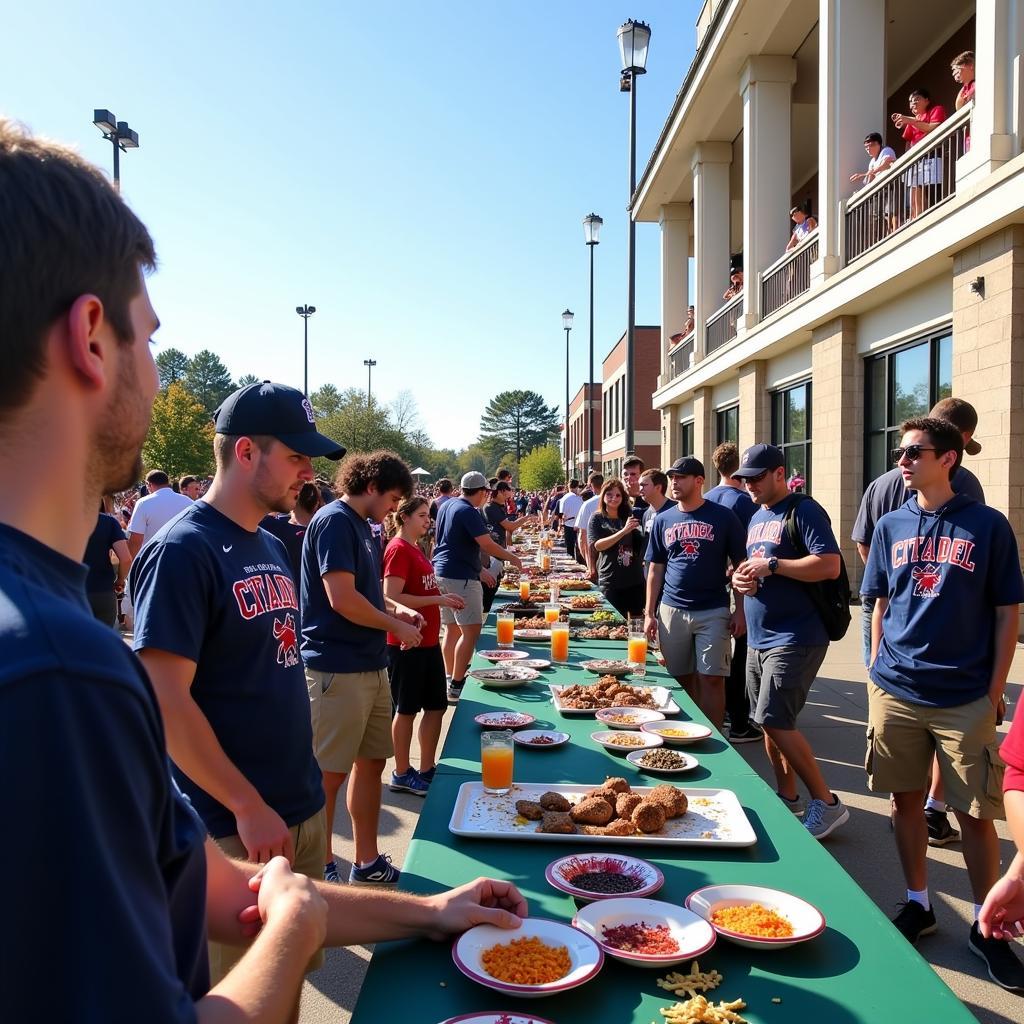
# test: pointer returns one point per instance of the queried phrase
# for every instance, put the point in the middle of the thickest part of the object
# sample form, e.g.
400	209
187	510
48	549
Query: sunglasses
913	452
756	479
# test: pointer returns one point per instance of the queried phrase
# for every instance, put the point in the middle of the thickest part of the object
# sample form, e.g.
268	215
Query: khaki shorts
309	841
351	714
902	738
695	641
472	592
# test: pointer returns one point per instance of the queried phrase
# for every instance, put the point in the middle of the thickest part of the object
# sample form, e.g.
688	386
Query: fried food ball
530	809
673	800
593	811
628	700
617	783
603	793
556	821
626	804
649	816
554	802
620	827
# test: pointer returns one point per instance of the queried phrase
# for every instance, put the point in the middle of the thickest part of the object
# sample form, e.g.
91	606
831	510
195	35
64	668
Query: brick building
578	425
647	421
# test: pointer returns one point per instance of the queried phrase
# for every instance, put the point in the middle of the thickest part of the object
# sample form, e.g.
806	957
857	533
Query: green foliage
171	365
326	401
516	421
180	438
208	380
246	379
541	468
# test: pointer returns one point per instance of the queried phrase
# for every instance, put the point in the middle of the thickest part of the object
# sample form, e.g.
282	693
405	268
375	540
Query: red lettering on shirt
287	590
769	531
689	531
274	601
256	587
948	550
241	592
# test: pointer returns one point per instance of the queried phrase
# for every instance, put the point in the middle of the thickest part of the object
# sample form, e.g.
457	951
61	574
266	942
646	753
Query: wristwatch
773	564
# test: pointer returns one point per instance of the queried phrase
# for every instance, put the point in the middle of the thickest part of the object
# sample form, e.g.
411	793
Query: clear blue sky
419	173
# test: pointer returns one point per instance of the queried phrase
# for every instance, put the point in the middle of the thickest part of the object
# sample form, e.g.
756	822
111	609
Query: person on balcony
926	174
690	322
881	208
735	284
963	75
803	225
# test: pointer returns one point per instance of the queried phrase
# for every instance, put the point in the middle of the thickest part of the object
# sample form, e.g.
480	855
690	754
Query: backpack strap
792	529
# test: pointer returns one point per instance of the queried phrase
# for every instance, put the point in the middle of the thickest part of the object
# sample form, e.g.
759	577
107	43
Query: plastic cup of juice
524	590
551	613
496	758
637	651
506	629
560	641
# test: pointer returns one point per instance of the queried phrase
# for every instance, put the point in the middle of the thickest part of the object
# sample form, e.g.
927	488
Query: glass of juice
636	652
545	561
506	629
524	590
551	613
496	756
560	642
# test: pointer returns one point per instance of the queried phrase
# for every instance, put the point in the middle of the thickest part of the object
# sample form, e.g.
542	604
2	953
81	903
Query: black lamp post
305	312
567	325
634	39
369	364
592	233
119	135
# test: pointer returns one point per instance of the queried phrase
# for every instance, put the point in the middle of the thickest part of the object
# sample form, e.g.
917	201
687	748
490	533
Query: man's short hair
873	137
960	413
967	57
385	470
504	474
468	492
223	445
726	458
444	485
492	482
596	481
574	483
633	460
186	481
66	233
657	478
158	478
943	435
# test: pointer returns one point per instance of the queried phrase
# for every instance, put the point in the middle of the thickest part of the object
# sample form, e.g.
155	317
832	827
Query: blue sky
419	173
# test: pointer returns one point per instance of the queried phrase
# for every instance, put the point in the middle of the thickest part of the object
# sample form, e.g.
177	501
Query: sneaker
454	692
428	775
823	819
750	734
913	921
331	873
380	872
1003	966
409	782
940	832
796	805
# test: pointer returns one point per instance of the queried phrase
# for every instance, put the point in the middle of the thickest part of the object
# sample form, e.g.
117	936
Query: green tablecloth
859	970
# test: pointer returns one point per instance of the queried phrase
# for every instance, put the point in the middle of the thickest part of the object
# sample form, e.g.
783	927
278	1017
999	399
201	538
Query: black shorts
417	679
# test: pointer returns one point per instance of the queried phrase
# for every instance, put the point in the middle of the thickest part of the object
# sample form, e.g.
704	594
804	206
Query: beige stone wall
703	428
755	404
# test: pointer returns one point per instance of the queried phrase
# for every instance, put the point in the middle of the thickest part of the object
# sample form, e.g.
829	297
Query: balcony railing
721	325
788	276
680	358
917	182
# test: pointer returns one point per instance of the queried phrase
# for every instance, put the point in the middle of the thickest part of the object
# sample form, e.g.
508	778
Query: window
898	385
686	438
727	425
791	430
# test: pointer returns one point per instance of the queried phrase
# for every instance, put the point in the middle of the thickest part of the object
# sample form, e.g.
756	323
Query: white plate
560	874
492	677
533	635
585	955
566	603
612	666
504	655
637	717
689	764
504	720
607	739
523	738
714	818
538	663
695	732
497	1017
693	934
807	920
659	694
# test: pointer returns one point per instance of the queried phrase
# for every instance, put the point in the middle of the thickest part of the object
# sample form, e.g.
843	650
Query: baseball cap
962	415
759	458
688	465
276	411
473	481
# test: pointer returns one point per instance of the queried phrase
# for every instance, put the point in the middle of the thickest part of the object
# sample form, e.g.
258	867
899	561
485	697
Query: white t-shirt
587	509
155	510
885	153
569	506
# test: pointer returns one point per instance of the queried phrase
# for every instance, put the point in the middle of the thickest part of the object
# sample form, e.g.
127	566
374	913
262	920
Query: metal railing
721	325
920	180
680	358
788	276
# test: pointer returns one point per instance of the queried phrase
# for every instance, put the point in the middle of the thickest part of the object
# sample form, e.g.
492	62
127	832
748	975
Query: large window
686	438
899	385
791	430
727	425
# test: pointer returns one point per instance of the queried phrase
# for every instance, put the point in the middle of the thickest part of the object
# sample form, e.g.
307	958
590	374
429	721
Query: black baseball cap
276	411
688	465
758	459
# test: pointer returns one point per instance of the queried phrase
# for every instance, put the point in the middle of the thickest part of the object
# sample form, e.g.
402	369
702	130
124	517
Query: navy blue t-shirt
83	754
695	548
781	612
209	590
738	501
456	553
340	540
944	574
495	515
290	535
97	555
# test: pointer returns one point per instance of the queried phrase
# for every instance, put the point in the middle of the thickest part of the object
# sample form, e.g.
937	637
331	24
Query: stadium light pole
305	312
369	364
567	326
592	234
119	135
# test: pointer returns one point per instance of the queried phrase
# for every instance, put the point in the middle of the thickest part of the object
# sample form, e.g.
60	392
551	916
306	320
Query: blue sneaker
428	775
331	873
380	872
409	782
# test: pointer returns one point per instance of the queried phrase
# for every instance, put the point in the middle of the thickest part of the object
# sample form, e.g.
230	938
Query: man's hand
406	633
281	893
264	834
650	627
487	578
517	562
452	601
737	623
485	901
1002	914
743	581
410	615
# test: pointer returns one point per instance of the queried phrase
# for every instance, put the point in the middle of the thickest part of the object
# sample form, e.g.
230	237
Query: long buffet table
859	970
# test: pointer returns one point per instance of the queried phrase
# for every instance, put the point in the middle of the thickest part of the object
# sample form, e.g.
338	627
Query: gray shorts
472	592
695	641
778	681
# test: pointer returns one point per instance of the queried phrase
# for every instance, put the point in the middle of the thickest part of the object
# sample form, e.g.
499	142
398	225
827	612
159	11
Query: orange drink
637	648
506	630
551	612
545	562
560	641
496	759
524	590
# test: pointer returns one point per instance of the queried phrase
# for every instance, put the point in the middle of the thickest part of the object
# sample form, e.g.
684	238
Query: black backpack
830	597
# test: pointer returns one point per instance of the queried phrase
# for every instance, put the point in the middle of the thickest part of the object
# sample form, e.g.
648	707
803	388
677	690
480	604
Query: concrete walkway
834	722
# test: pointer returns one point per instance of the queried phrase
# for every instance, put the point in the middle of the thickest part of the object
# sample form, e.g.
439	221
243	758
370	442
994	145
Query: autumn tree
180	438
541	468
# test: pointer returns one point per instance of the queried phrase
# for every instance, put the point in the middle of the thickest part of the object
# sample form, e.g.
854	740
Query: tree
171	365
516	421
326	401
541	468
246	379
180	438
208	380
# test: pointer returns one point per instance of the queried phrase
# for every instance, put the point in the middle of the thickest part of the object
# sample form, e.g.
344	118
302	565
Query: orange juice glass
551	612
545	562
524	590
496	760
637	648
560	641
506	629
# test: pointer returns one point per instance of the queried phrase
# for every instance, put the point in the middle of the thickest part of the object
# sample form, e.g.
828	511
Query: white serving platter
659	694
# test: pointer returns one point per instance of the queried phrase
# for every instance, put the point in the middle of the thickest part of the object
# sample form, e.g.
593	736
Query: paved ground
834	721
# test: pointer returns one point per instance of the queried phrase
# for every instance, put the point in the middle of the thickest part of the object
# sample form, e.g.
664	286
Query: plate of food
607	666
537	663
609	692
622	741
554	957
757	917
603	876
678	734
662	762
540	739
603	617
613	812
605	632
506	678
497	1017
645	933
583	602
628	718
573	584
504	720
504	655
533	635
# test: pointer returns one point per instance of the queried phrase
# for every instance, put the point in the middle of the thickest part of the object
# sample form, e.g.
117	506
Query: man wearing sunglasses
945	574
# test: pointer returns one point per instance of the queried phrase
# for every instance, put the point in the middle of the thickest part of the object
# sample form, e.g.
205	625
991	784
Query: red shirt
406	561
935	114
1012	752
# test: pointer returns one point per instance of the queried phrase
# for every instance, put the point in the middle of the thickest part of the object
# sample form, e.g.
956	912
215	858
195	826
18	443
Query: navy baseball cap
688	465
276	411
760	458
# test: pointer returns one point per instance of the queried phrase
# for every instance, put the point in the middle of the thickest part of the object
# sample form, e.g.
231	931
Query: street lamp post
567	325
369	364
119	135
634	39
305	312
592	234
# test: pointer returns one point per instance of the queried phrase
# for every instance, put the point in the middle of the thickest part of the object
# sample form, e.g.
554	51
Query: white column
851	103
675	220
995	121
710	165
766	85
